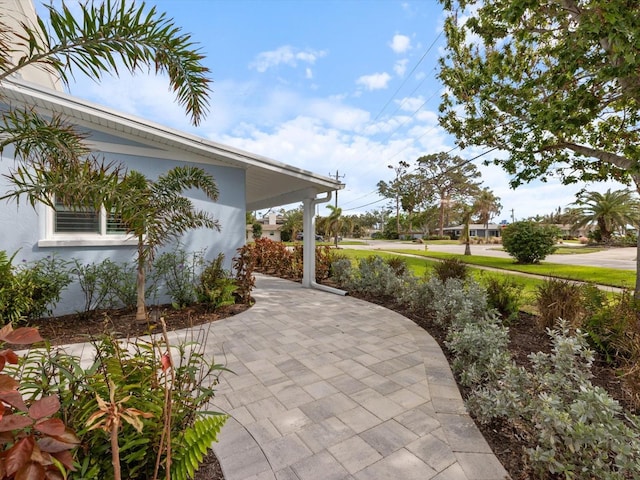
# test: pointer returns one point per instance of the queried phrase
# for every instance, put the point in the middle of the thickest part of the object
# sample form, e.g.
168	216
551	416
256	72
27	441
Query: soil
525	337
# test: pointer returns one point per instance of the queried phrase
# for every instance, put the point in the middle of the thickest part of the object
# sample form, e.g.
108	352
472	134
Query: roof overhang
269	183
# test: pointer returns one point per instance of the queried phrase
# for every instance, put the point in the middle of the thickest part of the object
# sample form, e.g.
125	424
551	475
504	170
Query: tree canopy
556	84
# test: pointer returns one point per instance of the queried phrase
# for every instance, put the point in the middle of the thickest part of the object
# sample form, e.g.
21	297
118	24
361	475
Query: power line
408	76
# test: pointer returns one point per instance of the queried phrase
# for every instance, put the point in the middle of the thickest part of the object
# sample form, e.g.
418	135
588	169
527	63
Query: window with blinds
69	220
86	221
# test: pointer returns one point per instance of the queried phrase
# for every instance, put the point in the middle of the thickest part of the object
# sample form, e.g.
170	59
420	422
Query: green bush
451	268
31	290
577	430
398	265
529	242
178	270
216	287
503	294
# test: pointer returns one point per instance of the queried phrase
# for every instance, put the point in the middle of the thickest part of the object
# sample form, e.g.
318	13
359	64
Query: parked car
300	236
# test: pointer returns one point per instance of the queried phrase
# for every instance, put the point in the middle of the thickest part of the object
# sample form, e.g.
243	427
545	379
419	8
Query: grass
600	275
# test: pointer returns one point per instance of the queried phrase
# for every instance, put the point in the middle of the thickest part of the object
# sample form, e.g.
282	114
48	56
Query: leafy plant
503	294
156	390
556	298
35	443
244	264
178	271
451	268
529	242
577	430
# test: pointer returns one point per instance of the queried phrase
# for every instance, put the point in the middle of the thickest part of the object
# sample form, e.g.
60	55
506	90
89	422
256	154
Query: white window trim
53	239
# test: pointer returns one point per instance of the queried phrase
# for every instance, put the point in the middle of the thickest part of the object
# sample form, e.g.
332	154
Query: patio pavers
331	387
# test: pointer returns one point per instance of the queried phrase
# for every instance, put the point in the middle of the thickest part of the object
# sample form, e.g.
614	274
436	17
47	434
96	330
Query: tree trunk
141	310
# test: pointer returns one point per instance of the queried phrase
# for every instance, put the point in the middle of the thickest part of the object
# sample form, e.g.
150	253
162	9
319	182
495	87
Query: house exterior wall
22	227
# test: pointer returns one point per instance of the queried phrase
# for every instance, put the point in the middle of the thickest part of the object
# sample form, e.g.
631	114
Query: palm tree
609	211
155	212
334	221
108	36
486	205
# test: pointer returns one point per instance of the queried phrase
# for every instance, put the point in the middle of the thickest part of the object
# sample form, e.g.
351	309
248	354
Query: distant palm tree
486	206
610	211
334	220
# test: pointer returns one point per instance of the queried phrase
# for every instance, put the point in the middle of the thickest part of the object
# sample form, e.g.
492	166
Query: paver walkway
330	387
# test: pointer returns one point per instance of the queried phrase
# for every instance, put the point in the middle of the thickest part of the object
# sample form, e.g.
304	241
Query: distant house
246	181
476	230
271	226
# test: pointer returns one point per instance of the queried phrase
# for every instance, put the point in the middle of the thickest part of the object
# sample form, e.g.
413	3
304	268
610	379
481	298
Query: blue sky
330	86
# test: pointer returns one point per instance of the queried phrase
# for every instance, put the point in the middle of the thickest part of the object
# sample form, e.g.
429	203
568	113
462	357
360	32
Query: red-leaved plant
33	445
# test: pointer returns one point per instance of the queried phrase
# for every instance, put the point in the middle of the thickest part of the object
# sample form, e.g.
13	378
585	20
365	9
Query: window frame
51	238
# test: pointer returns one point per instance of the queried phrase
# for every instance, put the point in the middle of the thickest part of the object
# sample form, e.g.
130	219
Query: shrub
480	350
559	299
36	443
375	277
398	265
31	290
529	242
244	264
342	271
162	387
455	303
577	430
178	271
451	268
216	288
503	294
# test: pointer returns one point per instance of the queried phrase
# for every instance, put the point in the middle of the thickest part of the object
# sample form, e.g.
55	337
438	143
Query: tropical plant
611	211
553	84
335	222
53	155
529	242
36	443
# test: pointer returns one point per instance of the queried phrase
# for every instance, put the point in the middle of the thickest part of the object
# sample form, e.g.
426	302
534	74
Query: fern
194	444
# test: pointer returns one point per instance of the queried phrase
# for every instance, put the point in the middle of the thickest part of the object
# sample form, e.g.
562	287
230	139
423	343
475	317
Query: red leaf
65	458
10	356
14	422
51	474
59	443
8	383
44	407
31	471
14	399
52	426
166	362
23	336
4	331
18	455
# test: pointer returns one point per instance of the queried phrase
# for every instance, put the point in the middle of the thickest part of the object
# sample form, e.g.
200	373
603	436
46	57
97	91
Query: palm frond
113	35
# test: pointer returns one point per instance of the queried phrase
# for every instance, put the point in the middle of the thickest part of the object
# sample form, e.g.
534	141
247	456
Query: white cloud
376	81
400	43
308	73
285	55
400	67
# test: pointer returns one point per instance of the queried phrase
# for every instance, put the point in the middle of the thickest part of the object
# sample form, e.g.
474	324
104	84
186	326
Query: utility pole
513	218
338	177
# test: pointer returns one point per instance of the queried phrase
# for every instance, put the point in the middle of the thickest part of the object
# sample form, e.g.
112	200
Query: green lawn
603	276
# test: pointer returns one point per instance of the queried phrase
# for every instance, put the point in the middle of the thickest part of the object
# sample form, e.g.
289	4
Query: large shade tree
608	211
450	180
554	83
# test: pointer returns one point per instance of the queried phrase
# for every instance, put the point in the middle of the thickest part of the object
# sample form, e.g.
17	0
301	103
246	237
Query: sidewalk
329	387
